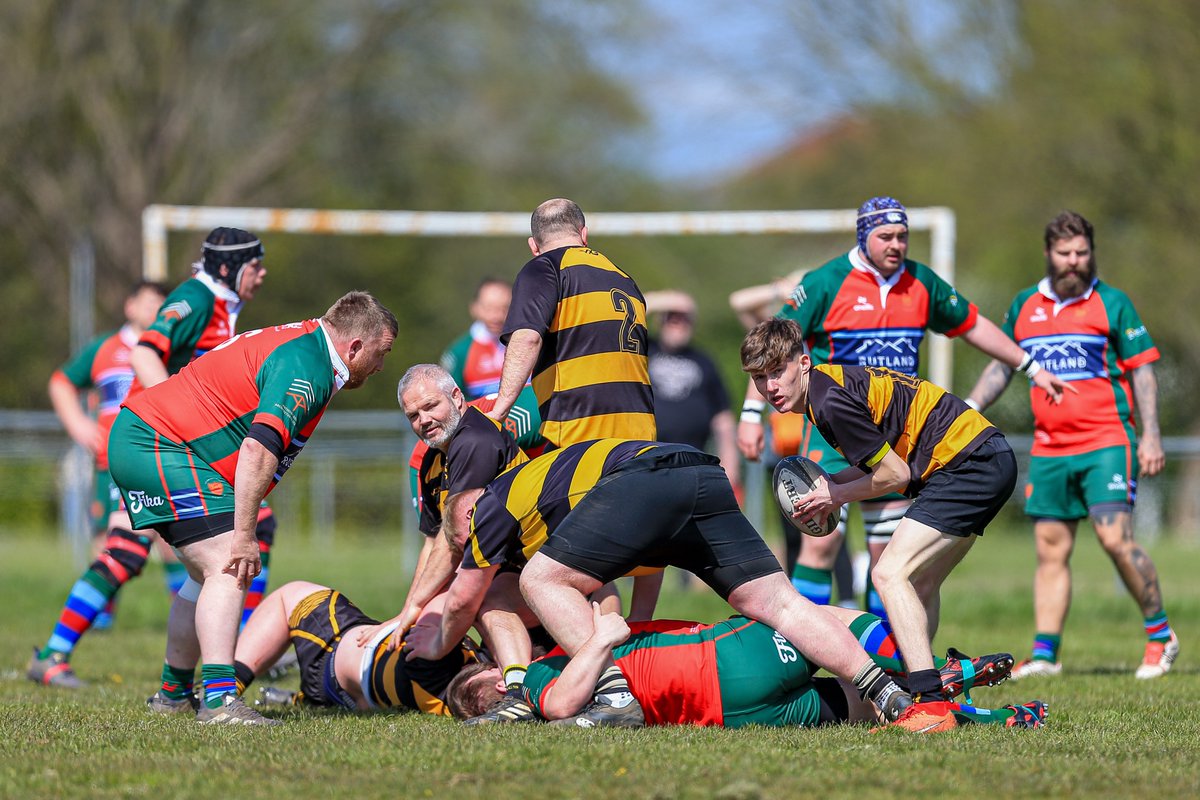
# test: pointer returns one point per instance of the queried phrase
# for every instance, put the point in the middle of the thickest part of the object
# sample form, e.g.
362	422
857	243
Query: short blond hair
772	344
359	315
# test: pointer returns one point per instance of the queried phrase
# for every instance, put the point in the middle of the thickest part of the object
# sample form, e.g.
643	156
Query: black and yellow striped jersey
591	378
418	685
520	509
479	450
865	411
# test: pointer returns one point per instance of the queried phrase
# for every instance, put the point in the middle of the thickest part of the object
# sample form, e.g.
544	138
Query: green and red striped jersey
852	315
1091	342
103	365
197	316
281	377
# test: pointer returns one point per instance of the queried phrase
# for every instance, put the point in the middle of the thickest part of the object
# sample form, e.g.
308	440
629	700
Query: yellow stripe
588	470
581	309
833	371
389	679
333	623
601	426
521	503
875	459
428	703
311	637
585	257
924	399
306	606
962	432
591	370
879	396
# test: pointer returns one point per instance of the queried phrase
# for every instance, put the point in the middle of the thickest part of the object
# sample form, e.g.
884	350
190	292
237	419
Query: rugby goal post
159	220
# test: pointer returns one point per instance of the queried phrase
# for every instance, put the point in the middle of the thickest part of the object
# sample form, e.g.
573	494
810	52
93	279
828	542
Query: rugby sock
986	716
875	637
1045	646
174	576
925	685
244	675
1157	628
258	586
874	685
104	620
123	558
219	680
177	683
614	688
814	584
514	676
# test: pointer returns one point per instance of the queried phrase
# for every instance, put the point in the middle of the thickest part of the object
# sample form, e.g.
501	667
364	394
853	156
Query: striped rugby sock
1045	646
1157	627
814	584
177	683
219	680
88	597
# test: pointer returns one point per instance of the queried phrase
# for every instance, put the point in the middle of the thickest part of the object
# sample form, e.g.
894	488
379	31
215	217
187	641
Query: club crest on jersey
1117	484
302	395
1133	333
1039	315
863	304
177	310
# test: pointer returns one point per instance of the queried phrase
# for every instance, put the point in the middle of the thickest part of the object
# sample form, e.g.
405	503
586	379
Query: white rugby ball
795	477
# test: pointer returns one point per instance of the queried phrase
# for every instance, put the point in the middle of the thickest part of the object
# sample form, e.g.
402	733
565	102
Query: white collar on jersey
480	333
221	290
861	264
129	337
341	373
1046	290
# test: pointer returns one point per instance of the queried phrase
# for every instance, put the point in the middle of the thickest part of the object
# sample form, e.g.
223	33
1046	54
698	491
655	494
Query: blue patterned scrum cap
879	211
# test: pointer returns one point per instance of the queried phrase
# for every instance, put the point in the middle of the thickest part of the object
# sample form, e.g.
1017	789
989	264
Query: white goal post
158	220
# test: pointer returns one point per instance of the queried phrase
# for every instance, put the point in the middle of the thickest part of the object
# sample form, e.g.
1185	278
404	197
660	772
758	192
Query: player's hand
87	434
424	641
498	416
1150	456
244	560
817	504
366	633
750	439
609	629
1052	385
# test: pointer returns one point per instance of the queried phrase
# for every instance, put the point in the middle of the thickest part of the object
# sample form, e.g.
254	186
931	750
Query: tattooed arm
1145	397
991	384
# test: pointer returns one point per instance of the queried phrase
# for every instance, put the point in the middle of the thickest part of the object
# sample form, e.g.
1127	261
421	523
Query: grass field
1108	736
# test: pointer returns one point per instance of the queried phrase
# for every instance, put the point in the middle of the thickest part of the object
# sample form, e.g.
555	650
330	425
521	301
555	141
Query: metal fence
353	478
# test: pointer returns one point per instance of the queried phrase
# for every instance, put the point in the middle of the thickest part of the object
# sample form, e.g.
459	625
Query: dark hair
230	247
466	698
1068	225
360	315
154	286
555	218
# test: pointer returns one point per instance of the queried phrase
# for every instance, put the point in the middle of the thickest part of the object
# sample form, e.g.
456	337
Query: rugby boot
159	703
232	711
1028	715
1158	659
1034	667
274	697
621	710
511	708
932	717
961	673
53	670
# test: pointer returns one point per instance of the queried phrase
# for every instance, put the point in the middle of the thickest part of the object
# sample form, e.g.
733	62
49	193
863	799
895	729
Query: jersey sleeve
845	422
492	529
294	387
1009	325
949	312
180	322
79	369
454	360
476	456
534	298
540	676
427	492
1131	340
807	304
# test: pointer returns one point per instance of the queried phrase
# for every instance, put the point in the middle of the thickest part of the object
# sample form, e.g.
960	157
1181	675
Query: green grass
1109	735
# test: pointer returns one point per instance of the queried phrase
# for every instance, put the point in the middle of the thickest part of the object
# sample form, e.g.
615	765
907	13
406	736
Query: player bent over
901	434
195	455
584	515
732	673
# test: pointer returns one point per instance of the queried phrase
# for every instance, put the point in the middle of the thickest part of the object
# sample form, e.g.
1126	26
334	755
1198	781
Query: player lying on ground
335	669
732	673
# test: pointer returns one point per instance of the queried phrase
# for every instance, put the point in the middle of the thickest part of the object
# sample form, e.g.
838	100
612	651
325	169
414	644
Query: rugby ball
795	476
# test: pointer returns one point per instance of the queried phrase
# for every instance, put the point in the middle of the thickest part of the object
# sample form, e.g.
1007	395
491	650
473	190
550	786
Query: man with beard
1089	334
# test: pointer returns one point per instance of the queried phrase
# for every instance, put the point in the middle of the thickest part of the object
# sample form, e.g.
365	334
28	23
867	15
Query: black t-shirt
688	393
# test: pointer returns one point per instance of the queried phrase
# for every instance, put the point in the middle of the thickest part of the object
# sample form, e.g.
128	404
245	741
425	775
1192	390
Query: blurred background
1004	111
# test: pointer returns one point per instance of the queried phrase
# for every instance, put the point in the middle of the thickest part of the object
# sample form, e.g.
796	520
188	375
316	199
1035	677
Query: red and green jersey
1090	341
196	317
671	667
850	314
281	377
475	361
103	365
